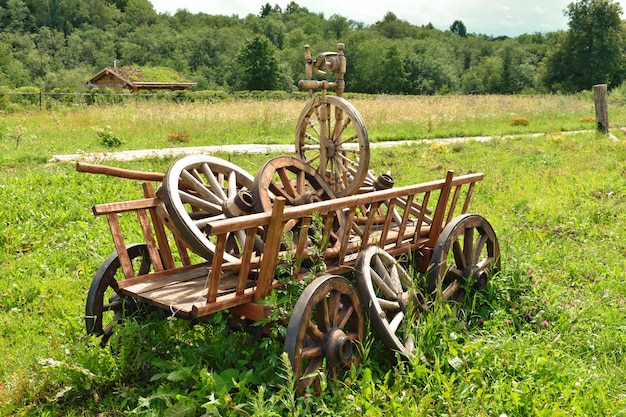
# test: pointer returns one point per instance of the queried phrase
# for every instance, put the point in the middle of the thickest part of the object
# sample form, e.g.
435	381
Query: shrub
519	121
179	137
108	138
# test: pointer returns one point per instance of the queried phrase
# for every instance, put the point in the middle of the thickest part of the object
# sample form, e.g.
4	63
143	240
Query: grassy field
546	338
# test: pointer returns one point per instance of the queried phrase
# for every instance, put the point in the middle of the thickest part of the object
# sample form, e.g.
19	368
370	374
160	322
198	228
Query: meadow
545	338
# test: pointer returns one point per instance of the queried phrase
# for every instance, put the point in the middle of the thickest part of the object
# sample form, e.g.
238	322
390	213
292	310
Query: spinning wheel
198	189
331	134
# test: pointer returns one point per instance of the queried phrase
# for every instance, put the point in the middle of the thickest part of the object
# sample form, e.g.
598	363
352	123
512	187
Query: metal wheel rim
347	174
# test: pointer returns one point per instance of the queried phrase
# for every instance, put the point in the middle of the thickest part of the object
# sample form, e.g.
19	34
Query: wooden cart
216	238
426	221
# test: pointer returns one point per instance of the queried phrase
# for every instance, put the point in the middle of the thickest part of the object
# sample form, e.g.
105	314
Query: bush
108	138
519	121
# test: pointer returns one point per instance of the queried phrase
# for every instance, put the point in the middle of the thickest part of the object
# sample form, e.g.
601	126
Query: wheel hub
476	275
337	347
331	148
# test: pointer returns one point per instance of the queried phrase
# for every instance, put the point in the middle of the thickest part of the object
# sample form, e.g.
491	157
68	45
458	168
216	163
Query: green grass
546	337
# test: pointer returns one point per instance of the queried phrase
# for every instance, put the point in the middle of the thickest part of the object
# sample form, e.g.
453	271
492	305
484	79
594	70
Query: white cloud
479	16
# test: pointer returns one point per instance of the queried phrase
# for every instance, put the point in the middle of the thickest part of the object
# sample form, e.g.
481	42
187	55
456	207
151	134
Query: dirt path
230	149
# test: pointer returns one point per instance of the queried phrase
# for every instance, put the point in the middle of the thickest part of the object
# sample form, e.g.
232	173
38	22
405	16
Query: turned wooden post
602	108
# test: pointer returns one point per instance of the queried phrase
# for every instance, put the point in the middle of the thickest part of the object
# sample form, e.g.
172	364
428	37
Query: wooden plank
453	203
405	218
119	172
344	238
468	197
156	280
372	214
246	256
153	252
214	276
124	206
120	246
440	210
270	250
159	229
388	219
303	237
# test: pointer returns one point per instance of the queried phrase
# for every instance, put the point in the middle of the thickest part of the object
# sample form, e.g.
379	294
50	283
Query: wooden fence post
602	108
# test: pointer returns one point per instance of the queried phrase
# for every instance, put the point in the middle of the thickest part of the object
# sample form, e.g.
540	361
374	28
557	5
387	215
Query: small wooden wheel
198	189
105	307
391	297
296	181
331	136
467	253
291	178
325	331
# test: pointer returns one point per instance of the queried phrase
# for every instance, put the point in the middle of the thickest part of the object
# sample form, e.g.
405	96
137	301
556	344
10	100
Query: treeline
52	44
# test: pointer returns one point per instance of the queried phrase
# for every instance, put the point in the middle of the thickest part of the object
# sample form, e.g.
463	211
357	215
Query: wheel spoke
200	188
311	352
459	258
468	246
382	285
214	183
395	322
388	304
342	320
194	201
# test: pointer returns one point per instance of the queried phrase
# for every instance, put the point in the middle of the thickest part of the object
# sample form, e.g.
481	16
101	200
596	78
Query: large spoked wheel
105	307
331	136
325	331
467	253
198	189
393	302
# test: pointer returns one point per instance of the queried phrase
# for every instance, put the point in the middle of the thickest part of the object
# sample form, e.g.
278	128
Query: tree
258	65
593	48
458	28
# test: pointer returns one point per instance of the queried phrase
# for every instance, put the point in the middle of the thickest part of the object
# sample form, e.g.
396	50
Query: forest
49	45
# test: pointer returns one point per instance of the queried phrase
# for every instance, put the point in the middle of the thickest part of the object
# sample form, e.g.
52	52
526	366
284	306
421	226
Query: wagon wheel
391	297
325	331
331	136
296	181
198	189
466	254
105	307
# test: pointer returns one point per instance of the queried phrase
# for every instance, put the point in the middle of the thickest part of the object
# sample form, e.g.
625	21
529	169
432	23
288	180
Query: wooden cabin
136	78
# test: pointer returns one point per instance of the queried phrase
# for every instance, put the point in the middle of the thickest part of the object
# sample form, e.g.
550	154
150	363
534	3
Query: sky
487	17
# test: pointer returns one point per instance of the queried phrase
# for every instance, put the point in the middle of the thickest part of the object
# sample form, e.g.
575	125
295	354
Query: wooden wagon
216	238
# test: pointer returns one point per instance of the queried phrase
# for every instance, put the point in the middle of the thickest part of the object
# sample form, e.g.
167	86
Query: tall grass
35	136
545	338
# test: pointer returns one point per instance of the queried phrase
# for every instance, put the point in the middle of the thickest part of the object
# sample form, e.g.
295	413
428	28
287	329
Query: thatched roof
141	78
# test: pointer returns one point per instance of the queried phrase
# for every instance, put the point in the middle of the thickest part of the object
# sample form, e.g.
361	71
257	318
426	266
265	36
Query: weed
107	137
